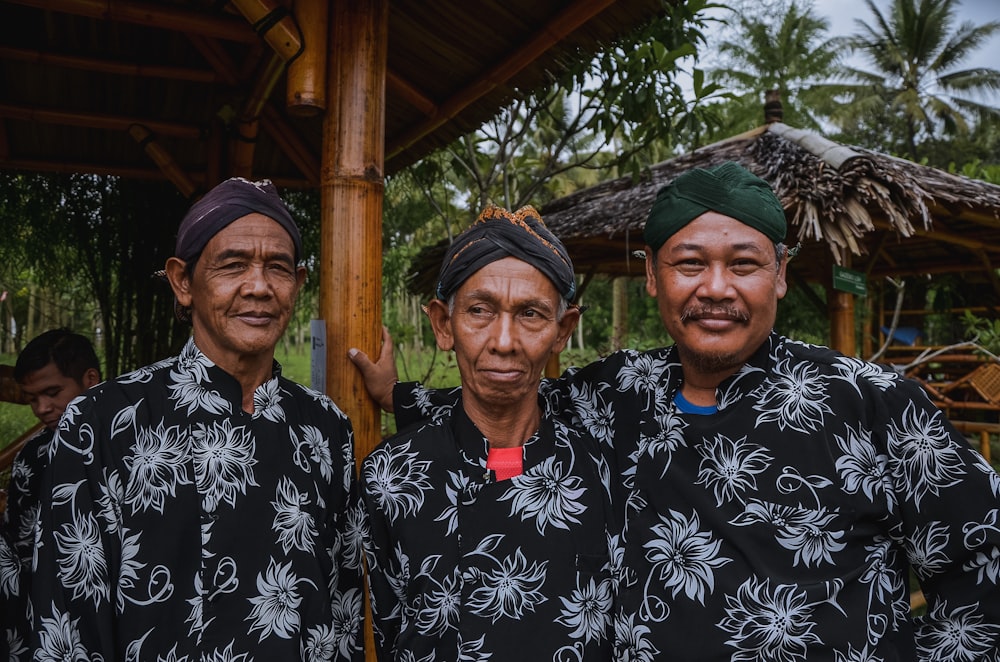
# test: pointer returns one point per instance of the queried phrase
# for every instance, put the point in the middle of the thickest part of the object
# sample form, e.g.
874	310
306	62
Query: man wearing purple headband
775	496
203	507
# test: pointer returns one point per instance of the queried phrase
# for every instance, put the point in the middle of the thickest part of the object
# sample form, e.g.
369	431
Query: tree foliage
781	46
916	90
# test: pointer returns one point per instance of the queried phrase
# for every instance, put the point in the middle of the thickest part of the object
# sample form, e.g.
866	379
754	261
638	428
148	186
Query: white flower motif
223	462
397	480
796	398
59	640
442	603
10	568
320	644
111	500
549	494
633	644
925	458
156	465
275	608
863	655
319	450
596	416
926	549
768	625
684	558
347	622
730	467
510	590
187	391
962	635
853	370
294	524
267	401
586	611
82	566
864	469
226	655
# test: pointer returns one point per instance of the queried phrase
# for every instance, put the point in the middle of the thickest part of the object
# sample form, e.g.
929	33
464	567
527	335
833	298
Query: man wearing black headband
488	535
202	506
777	495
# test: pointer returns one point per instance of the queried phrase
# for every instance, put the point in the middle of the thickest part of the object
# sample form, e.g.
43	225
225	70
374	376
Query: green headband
728	189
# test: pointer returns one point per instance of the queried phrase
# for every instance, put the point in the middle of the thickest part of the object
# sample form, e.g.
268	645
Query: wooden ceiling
135	89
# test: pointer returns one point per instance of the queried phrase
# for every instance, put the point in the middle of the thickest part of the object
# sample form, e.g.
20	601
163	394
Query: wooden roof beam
273	123
98	121
945	237
108	66
151	15
568	20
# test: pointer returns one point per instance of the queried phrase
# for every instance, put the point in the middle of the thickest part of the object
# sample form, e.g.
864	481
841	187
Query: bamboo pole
248	124
164	161
274	24
305	94
352	184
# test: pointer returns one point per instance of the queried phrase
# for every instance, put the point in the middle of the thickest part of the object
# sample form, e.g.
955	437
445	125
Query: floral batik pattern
465	567
182	528
785	526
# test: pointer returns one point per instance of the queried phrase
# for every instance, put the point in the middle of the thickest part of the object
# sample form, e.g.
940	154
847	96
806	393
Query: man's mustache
714	312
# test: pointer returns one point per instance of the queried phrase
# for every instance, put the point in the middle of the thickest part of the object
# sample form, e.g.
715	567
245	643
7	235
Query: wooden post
841	306
619	312
351	185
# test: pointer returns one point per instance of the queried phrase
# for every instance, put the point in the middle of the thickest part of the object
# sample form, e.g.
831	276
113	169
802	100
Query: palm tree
916	85
792	55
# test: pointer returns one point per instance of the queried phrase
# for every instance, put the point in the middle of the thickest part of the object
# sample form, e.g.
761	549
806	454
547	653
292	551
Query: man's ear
90	378
180	283
650	271
437	313
566	326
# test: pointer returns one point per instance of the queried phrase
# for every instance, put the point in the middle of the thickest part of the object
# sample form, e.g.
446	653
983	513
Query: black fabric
231	200
499	233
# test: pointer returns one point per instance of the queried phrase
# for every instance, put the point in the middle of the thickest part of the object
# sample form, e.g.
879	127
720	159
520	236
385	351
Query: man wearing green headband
775	496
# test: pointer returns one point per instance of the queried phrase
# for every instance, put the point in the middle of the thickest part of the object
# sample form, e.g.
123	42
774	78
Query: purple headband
231	200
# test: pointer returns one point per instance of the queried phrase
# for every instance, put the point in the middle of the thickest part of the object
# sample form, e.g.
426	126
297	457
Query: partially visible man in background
52	369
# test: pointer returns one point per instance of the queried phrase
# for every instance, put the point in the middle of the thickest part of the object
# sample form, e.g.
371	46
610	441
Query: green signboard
847	280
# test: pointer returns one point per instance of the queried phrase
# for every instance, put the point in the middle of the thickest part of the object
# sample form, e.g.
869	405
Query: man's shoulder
33	447
309	397
427	433
790	353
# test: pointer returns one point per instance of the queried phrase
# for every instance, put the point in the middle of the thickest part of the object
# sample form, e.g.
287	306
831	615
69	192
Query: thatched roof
845	204
77	75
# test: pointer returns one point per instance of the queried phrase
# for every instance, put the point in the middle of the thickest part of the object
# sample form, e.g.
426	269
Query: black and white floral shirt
784	527
181	528
465	567
17	542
